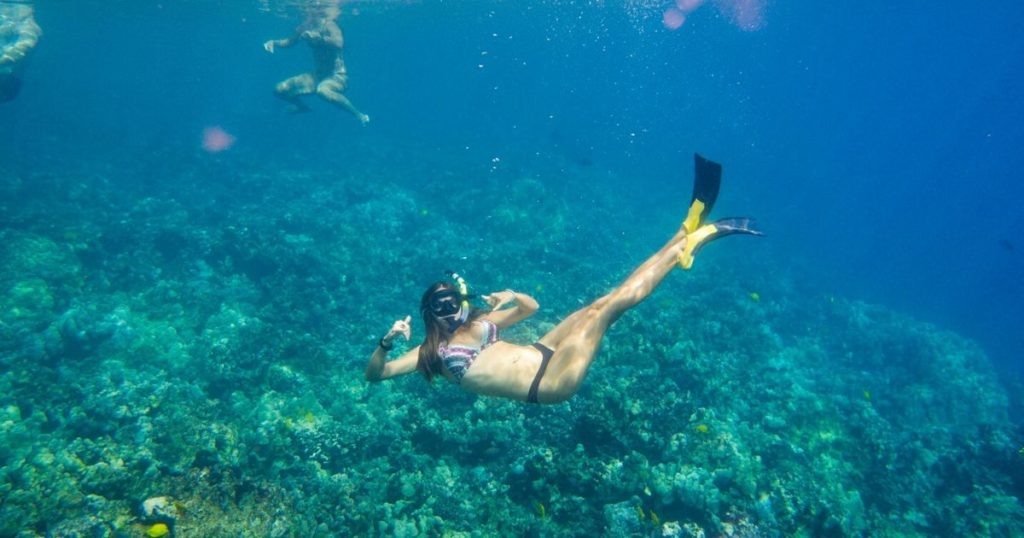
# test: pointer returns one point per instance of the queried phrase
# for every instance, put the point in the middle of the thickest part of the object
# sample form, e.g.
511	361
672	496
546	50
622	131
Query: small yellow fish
655	519
540	509
754	296
702	428
640	513
867	395
157	530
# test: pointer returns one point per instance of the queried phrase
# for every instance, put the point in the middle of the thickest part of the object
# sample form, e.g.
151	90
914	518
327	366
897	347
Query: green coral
208	347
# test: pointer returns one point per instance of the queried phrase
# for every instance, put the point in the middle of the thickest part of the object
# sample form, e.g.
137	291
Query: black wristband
387	347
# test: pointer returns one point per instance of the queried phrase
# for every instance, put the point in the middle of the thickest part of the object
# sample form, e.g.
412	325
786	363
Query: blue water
879	147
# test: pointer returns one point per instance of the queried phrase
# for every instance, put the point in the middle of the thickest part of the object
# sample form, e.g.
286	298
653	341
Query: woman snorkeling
462	343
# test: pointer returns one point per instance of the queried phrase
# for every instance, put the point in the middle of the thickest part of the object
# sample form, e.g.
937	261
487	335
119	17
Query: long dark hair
429	363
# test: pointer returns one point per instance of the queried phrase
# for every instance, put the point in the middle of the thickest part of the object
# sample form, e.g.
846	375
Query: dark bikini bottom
545	353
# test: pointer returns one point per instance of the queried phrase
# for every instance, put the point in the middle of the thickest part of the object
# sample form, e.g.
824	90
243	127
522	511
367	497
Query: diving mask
445	303
449	306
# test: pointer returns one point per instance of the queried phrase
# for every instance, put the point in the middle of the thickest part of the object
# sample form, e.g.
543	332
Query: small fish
754	296
158	530
867	395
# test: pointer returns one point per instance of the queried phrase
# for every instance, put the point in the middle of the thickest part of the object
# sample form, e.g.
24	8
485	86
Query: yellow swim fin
709	232
707	181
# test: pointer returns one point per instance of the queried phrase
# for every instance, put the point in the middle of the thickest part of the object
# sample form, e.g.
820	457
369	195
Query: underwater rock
35	256
28	302
91	526
79	334
282	378
621	519
159	509
673	529
226	383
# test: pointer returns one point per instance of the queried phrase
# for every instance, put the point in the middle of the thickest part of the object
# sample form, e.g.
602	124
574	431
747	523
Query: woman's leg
332	90
575	341
290	90
567	325
577	338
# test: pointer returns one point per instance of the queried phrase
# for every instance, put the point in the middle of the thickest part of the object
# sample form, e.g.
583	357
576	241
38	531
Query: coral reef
184	357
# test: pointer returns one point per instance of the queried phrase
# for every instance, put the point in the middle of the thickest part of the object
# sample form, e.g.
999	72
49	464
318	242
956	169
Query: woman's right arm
379	368
269	46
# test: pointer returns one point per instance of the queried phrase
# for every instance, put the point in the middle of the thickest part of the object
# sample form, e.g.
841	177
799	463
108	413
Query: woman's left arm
525	306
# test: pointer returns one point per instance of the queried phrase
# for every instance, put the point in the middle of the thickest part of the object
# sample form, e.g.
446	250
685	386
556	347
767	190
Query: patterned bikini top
458	359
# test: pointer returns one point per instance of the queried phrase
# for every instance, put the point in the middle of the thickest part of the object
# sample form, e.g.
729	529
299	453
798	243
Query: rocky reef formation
185	357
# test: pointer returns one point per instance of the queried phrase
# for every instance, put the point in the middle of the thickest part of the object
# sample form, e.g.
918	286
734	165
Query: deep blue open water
193	324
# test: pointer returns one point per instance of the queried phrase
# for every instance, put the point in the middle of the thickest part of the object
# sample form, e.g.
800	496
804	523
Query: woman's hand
500	299
379	368
401	327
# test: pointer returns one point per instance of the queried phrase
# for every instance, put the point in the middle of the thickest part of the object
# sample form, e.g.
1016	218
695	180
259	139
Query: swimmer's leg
331	90
707	180
673	247
577	338
291	89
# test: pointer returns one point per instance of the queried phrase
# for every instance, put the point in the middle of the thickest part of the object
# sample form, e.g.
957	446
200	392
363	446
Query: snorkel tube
463	288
